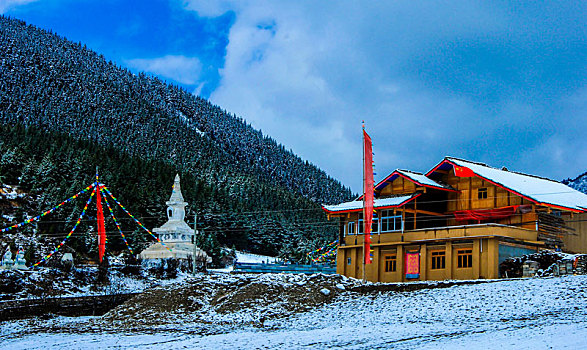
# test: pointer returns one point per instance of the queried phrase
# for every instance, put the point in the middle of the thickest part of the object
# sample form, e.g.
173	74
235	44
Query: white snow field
549	313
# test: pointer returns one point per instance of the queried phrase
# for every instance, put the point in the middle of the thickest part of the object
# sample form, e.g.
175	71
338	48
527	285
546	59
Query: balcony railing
448	232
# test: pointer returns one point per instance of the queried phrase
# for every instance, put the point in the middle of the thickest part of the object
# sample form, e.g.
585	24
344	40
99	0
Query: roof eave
344	211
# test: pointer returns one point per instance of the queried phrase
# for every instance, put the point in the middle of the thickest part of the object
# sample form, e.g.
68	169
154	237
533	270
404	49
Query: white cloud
6	5
185	70
307	73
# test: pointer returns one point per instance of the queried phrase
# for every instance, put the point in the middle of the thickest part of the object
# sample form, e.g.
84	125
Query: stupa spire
176	196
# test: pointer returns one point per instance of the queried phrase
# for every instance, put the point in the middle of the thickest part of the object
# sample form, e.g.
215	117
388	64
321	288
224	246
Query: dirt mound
211	303
230	299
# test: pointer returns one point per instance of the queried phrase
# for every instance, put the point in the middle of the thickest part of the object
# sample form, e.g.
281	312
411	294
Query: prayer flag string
330	250
135	219
79	219
116	223
36	218
322	248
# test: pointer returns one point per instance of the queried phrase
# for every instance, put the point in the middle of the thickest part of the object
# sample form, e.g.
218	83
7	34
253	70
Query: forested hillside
64	109
579	183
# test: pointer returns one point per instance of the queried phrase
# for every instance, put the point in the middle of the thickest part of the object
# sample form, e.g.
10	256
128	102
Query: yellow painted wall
484	261
577	242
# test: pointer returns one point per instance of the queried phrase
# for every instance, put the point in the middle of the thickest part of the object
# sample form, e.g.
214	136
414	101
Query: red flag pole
368	184
365	235
100	219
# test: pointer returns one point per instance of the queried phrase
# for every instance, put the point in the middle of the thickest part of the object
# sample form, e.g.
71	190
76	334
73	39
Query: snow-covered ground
253	258
247	258
548	313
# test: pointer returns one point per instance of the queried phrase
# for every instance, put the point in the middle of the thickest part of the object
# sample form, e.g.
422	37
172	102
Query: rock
325	291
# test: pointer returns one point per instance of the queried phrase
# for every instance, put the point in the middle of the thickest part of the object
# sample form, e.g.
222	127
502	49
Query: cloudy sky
500	82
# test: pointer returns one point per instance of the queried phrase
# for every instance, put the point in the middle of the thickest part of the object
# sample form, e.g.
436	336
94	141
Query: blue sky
500	82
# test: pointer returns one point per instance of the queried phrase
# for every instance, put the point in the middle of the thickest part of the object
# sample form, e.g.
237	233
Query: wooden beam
415	212
470	192
407	210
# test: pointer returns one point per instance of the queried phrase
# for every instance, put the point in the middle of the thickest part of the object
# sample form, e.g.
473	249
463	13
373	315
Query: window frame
465	258
482	193
390	263
351	228
437	257
360	225
375	223
388	217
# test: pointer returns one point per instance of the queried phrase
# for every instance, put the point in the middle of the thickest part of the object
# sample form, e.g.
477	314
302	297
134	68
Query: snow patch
254	258
185	120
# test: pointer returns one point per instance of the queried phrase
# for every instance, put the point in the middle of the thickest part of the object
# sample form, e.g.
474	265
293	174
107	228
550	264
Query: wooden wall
577	242
399	186
497	197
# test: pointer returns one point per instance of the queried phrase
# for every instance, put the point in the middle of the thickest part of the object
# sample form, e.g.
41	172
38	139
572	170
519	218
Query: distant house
460	220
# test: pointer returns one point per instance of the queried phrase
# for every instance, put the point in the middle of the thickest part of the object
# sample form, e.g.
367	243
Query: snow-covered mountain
64	109
579	183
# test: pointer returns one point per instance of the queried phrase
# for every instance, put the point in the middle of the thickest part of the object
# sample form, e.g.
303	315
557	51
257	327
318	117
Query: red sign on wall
412	265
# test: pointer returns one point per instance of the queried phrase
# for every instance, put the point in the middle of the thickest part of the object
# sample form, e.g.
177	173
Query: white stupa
175	233
175	229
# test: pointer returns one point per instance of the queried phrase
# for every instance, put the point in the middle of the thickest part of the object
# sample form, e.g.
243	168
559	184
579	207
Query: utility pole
194	270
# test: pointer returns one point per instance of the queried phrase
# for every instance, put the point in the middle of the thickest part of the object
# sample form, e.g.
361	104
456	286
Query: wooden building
460	220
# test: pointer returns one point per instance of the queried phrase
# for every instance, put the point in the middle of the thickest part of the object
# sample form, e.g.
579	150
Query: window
482	193
390	263
390	222
438	260
375	224
348	261
351	228
464	258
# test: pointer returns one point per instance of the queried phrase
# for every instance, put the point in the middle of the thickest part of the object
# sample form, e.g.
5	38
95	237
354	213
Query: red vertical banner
101	226
368	195
412	265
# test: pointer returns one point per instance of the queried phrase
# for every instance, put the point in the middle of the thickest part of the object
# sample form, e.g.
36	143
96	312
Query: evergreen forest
64	110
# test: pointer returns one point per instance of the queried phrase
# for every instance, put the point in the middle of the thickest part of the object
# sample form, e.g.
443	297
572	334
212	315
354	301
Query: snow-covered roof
537	189
357	205
417	178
